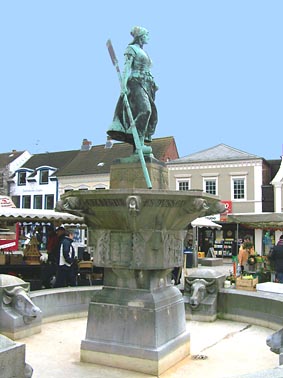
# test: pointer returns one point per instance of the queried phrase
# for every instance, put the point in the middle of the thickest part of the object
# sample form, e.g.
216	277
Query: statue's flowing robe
141	96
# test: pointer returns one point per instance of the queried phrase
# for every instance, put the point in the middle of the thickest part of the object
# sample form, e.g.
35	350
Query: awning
33	215
258	220
205	222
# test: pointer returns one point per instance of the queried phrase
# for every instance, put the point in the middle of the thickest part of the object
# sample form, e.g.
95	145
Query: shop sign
6	201
228	210
214	217
8	245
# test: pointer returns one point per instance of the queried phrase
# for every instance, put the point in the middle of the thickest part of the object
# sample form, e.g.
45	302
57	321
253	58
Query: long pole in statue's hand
130	115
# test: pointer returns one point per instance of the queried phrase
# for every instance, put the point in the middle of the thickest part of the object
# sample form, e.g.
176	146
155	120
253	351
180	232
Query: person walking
67	262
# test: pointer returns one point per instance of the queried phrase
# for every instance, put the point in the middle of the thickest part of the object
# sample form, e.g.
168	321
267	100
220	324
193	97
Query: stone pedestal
138	330
130	175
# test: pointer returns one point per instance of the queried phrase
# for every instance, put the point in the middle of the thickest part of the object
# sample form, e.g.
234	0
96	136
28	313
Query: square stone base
149	362
131	176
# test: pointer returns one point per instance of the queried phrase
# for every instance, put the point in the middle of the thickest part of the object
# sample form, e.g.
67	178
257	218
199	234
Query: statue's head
139	31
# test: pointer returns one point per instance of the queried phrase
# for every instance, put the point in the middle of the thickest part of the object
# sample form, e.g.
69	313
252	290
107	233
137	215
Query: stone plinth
138	330
127	176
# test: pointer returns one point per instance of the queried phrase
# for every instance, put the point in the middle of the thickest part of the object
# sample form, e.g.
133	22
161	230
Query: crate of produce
246	283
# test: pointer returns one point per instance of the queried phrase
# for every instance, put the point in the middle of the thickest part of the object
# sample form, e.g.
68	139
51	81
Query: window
26	202
44	176
238	188
49	202
22	178
37	202
210	186
183	184
17	201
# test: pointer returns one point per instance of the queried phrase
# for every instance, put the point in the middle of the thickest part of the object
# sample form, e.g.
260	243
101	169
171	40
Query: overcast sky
218	65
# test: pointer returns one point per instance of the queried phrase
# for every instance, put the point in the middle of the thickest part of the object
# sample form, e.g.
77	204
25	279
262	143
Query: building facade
243	181
249	185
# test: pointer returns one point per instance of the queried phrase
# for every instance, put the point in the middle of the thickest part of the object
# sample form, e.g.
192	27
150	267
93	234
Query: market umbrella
200	223
205	222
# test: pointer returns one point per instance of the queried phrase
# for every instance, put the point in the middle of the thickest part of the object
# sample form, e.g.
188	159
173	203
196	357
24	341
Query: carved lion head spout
70	205
133	203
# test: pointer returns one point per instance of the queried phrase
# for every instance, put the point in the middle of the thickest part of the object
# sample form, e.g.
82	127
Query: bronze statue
137	84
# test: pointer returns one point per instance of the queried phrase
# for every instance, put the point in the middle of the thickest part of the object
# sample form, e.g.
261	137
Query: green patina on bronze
135	115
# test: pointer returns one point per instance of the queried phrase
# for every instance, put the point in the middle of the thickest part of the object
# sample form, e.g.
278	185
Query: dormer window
22	178
44	176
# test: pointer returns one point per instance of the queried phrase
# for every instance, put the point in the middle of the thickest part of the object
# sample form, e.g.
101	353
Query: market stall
24	237
198	223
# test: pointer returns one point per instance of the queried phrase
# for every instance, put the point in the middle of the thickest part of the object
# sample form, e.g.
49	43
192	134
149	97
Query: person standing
50	268
246	249
280	241
67	266
276	256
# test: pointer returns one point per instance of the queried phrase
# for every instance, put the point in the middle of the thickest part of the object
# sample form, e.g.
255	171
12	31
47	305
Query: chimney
109	142
86	145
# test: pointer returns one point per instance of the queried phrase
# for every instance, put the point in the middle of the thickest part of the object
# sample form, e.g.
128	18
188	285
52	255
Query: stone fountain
137	321
136	232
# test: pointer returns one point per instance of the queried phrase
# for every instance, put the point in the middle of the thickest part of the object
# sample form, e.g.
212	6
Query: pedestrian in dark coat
276	256
67	262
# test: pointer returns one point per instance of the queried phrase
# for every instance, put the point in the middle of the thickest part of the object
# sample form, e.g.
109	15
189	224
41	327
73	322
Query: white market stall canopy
205	222
8	211
33	215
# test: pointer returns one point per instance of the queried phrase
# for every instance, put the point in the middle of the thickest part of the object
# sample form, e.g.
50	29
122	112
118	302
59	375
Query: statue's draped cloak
141	95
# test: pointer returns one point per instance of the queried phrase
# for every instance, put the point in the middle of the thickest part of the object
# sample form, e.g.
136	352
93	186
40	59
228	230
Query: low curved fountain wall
63	303
253	307
260	308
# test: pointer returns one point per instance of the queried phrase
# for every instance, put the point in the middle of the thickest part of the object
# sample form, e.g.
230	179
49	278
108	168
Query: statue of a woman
139	86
